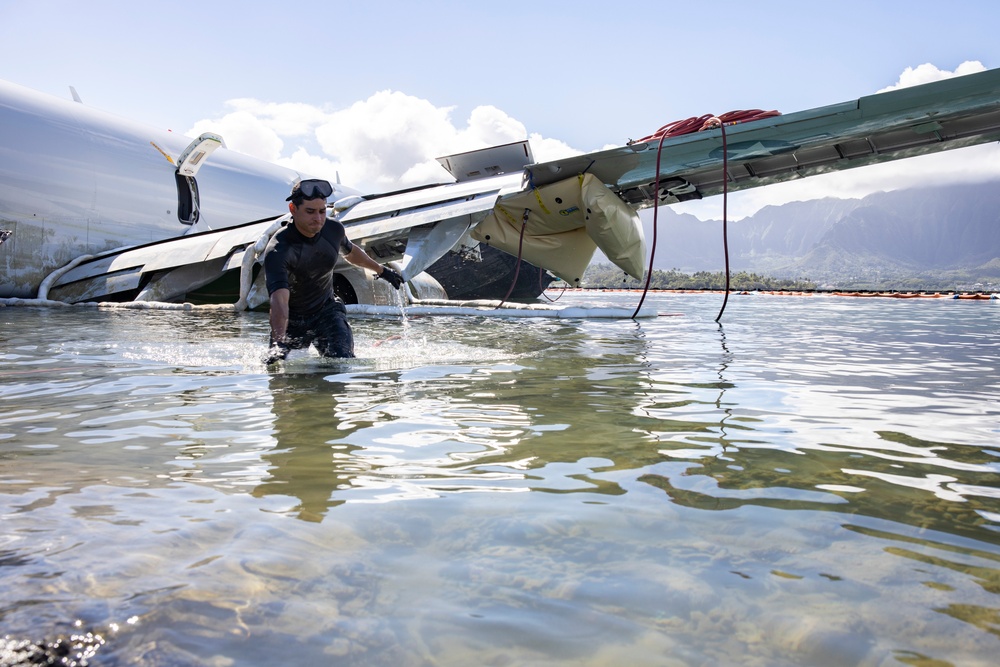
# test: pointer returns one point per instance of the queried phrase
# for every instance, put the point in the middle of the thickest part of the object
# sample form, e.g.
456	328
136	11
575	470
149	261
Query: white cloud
489	126
308	164
927	73
389	141
546	150
379	140
245	132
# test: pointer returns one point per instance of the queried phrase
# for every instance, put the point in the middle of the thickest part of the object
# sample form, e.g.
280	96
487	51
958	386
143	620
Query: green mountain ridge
937	238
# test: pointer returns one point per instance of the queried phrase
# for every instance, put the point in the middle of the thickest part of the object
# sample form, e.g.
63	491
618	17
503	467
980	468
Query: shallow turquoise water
813	483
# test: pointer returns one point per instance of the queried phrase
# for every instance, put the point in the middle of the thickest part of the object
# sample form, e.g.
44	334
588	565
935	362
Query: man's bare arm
279	314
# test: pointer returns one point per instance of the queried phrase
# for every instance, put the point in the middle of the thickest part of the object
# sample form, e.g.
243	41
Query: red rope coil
706	122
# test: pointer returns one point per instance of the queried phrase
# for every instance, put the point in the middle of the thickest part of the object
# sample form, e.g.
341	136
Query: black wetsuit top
304	265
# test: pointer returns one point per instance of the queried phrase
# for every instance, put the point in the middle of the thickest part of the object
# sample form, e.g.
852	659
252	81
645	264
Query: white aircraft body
77	181
121	211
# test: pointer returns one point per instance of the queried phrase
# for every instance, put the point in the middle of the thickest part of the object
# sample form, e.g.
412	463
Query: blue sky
373	91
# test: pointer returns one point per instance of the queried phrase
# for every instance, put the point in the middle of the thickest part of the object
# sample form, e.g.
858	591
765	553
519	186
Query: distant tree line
608	276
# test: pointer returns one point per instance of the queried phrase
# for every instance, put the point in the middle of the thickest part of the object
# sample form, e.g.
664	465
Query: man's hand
277	352
391	277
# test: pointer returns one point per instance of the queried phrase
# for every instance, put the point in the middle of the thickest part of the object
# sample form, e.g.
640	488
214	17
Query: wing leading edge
944	115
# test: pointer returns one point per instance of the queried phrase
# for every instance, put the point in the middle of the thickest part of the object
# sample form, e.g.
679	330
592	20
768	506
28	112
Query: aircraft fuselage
76	181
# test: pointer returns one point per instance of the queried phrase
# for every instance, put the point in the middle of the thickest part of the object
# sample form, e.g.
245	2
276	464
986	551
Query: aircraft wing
415	227
563	210
919	120
953	113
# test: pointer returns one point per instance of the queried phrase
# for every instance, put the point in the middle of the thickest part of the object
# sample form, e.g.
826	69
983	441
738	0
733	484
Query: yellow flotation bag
566	222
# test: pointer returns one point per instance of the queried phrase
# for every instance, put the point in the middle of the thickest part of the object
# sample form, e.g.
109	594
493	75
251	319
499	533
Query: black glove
277	352
391	277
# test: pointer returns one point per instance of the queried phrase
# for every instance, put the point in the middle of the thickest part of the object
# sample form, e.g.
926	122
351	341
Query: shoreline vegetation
928	294
606	277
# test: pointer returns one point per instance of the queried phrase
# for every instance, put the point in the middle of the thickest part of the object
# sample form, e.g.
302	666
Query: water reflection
306	461
750	472
353	435
605	399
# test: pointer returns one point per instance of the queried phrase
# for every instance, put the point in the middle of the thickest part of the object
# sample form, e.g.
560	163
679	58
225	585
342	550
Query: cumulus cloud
927	73
381	141
389	141
246	132
546	150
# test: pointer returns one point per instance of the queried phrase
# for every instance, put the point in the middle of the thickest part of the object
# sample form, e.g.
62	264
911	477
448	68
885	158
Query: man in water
298	266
